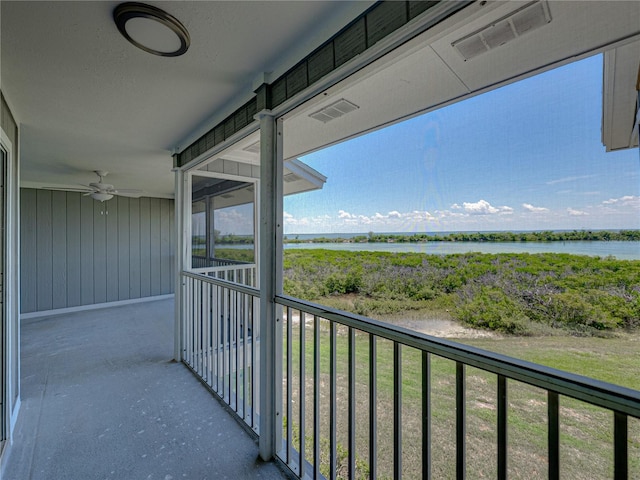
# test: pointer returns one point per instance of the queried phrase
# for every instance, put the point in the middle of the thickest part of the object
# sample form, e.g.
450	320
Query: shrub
569	308
491	309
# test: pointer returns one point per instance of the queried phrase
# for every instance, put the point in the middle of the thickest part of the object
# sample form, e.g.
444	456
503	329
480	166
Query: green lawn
586	431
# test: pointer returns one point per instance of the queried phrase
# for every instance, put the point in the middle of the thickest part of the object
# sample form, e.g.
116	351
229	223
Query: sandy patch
436	327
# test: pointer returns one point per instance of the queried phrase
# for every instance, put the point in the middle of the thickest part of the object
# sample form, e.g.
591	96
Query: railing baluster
620	446
212	335
191	325
225	342
199	346
461	448
553	409
373	407
352	403
250	368
289	386
229	340
397	411
238	323
426	416
232	349
218	321
188	309
502	427
333	450
302	395
230	331
206	297
316	397
255	334
245	364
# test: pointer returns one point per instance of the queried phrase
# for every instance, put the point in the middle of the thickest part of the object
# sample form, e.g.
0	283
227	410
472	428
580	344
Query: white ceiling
87	99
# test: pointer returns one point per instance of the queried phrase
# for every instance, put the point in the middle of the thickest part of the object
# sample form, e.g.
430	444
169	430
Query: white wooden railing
220	332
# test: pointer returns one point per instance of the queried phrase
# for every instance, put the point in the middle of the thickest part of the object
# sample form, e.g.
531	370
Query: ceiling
87	99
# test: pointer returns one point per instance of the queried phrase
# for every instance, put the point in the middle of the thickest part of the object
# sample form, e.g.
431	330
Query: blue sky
524	157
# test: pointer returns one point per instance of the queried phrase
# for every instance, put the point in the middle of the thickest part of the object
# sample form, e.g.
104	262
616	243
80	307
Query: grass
586	431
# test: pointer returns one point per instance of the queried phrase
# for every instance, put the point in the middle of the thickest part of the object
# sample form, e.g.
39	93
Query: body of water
620	250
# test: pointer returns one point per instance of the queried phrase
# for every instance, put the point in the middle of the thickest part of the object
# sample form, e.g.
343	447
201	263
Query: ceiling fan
101	191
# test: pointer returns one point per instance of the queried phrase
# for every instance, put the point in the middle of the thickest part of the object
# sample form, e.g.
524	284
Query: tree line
541	236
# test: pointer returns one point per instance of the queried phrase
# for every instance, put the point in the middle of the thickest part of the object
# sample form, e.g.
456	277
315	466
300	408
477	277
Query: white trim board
94	306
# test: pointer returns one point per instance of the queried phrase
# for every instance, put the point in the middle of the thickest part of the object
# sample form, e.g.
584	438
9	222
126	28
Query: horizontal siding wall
77	251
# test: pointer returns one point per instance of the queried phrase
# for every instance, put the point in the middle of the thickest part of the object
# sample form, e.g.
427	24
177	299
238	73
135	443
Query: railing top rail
225	260
222	283
596	392
223	268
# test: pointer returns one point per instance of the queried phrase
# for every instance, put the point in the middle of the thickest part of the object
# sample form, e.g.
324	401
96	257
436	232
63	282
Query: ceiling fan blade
128	190
65	189
127	193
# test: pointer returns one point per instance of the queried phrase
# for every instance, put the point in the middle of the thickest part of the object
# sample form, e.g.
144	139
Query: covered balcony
102	398
223	374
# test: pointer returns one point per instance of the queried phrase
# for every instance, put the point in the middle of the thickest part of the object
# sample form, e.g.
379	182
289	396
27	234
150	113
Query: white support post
179	262
270	262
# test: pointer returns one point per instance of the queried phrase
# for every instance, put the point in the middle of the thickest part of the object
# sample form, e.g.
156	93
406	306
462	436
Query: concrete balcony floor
101	399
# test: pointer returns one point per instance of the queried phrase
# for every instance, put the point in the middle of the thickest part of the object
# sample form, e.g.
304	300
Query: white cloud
532	209
394	214
343	214
482	207
569	179
625	201
238	221
576	213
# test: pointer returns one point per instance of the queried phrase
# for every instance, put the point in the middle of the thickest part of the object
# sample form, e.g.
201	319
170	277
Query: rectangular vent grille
253	148
335	110
516	24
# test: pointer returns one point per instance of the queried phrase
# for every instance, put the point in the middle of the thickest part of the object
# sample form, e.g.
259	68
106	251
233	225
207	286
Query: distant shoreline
495	237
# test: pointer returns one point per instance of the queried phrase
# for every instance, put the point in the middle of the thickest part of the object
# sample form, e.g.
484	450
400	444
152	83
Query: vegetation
545	236
510	293
519	294
238	254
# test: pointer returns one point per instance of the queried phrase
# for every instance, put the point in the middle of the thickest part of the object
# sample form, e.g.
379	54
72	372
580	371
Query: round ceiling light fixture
151	29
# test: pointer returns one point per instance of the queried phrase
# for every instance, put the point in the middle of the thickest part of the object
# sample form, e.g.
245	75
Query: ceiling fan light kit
101	197
102	192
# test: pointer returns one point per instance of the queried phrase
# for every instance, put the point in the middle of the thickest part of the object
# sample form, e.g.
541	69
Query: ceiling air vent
335	110
253	148
525	19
